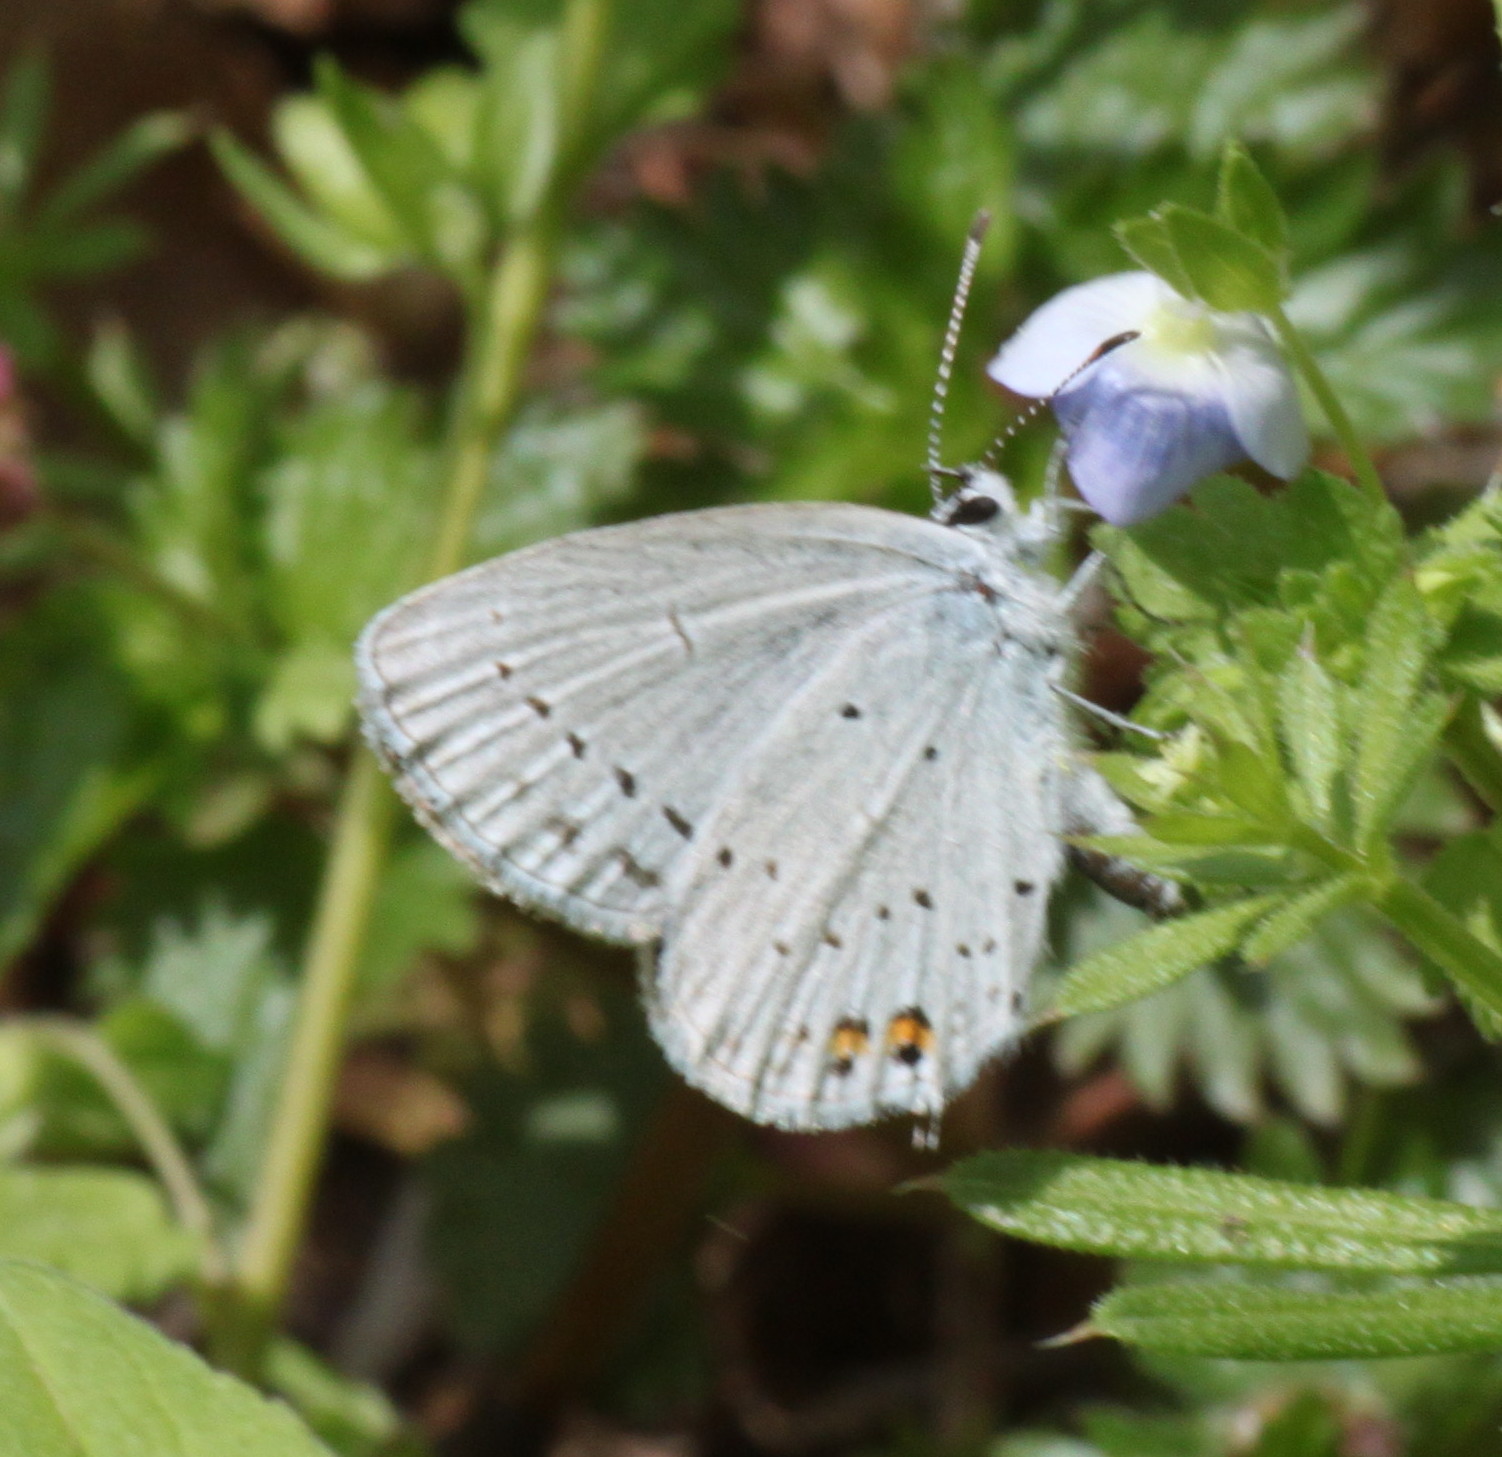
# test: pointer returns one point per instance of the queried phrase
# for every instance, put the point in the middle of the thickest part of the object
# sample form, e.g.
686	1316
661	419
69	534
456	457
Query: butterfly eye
973	510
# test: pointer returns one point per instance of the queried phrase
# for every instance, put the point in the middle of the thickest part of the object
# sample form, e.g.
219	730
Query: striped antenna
988	460
937	470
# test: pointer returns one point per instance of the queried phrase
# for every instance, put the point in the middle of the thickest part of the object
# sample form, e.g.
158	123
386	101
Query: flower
1191	392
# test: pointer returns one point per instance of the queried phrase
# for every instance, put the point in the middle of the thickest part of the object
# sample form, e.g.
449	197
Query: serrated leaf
1155	958
1273	1323
109	1228
1138	1211
308	696
1300	913
1254	786
80	1378
1225	269
1310	727
1245	201
322	244
1469	961
1400	636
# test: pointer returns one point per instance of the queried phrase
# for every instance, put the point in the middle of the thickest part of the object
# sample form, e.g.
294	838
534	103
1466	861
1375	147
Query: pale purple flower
1193	392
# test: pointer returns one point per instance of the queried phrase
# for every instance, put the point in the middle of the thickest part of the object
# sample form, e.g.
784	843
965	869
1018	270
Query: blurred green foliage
175	678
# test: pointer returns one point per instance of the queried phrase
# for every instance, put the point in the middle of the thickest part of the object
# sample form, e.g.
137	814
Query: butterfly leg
1091	807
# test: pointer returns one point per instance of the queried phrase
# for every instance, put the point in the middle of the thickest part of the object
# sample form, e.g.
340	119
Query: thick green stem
502	331
1329	402
1471	748
82	1045
1474	967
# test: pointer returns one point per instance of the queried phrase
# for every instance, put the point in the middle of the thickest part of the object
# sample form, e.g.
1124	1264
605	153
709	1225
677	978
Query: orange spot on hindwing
850	1038
910	1036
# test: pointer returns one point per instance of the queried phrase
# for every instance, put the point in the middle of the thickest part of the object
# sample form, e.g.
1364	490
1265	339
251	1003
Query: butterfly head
983	503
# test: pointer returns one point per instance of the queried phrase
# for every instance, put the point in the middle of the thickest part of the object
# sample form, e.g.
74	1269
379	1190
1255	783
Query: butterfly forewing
566	718
853	927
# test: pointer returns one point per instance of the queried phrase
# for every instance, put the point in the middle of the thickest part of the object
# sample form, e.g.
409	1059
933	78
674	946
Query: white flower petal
1056	339
1263	400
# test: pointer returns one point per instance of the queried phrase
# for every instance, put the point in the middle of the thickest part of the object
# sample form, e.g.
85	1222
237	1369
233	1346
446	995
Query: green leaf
1228	271
318	153
308	696
400	158
355	466
23	115
556	470
321	243
1154	959
354	1418
1149	242
1272	1323
1292	921
146	140
66	783
120	378
1310	723
520	125
1245	201
80	1378
109	1228
1389	726
1199	1216
1254	786
1233	862
1468	960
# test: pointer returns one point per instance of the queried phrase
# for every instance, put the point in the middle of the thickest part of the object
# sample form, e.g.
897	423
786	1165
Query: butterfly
813	758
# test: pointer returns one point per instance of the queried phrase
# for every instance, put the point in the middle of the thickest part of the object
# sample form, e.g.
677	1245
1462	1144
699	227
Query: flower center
1178	326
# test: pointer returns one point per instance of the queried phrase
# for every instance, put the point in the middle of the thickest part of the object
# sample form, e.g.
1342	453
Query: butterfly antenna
937	470
988	460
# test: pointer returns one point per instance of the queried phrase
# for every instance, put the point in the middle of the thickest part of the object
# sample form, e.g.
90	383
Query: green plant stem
501	337
1329	402
80	1044
502	331
243	1320
1472	750
1469	962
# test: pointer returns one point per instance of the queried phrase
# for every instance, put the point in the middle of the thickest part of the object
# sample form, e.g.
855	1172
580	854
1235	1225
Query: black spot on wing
678	822
627	780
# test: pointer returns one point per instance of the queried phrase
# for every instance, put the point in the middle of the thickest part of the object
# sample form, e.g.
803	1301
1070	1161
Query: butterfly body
809	756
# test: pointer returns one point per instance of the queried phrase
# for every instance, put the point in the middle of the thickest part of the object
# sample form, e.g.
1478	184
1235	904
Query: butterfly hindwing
566	717
854	926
